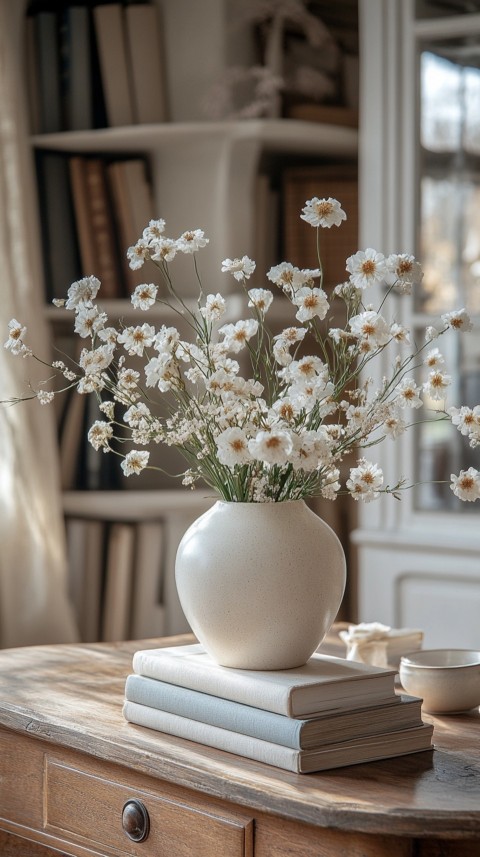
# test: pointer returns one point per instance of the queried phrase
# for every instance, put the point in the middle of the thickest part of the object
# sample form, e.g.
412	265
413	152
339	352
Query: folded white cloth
380	645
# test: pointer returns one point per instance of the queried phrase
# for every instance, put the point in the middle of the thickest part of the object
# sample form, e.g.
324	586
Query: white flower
312	302
138	254
162	372
165	250
394	426
282	276
323	212
366	268
261	299
404	272
16	332
191	241
466	486
96	361
232	447
237	335
136	339
436	384
89	320
144	296
214	308
305	277
330	484
433	358
99	434
372	327
242	269
292	334
408	394
135	461
273	447
467	421
459	320
82	291
45	397
281	352
366	481
166	339
154	230
399	333
431	332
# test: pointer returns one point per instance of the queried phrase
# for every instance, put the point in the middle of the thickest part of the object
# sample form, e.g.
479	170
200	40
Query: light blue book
333	726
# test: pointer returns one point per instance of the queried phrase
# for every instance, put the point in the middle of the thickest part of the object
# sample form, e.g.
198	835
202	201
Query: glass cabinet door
448	229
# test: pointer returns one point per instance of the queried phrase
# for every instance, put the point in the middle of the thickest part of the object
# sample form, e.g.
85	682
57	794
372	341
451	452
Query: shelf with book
195	169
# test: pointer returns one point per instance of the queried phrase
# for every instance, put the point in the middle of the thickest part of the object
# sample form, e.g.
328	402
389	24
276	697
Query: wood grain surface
71	697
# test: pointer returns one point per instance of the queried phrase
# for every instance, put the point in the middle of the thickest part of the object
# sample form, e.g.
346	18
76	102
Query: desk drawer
83	806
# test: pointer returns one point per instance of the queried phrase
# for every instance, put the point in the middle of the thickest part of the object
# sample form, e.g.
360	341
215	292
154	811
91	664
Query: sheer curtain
34	606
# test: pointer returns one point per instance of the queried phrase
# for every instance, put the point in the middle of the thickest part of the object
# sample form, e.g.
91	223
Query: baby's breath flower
45	397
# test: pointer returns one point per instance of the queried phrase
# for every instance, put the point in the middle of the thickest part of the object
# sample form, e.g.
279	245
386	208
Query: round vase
260	583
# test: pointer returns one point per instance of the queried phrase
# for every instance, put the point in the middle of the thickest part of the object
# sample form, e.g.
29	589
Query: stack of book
326	714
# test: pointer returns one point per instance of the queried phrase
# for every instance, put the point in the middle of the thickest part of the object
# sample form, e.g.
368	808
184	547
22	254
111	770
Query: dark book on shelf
56	214
46	27
76	68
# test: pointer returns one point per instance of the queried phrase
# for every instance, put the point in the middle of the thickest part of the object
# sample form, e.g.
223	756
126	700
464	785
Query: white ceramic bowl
448	680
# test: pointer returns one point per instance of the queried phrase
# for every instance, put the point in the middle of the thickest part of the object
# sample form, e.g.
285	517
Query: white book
323	683
146	57
400	712
369	749
110	32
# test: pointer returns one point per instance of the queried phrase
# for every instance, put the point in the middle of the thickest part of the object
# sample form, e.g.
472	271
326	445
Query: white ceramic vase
260	583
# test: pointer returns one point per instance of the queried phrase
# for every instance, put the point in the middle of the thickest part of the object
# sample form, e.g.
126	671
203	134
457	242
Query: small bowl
448	680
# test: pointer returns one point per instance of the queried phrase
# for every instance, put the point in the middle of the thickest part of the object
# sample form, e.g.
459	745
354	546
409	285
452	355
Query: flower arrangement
259	417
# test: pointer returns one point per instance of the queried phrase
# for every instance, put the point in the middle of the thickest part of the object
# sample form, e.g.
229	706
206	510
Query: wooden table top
71	696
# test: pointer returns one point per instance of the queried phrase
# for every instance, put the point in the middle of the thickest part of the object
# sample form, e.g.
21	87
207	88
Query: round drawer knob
135	820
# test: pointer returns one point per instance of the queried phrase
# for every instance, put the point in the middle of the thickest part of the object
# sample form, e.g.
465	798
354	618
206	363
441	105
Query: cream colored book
323	683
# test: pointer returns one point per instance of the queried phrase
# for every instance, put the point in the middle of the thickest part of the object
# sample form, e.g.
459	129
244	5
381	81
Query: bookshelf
202	174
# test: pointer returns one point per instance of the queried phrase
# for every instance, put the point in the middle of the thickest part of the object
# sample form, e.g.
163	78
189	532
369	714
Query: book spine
102	228
211	736
47	49
146	60
77	65
114	67
218	712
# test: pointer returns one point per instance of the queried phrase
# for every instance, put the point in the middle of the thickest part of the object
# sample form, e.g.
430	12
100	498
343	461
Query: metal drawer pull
135	820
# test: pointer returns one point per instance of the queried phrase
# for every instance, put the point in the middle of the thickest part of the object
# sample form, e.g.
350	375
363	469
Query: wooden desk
69	762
